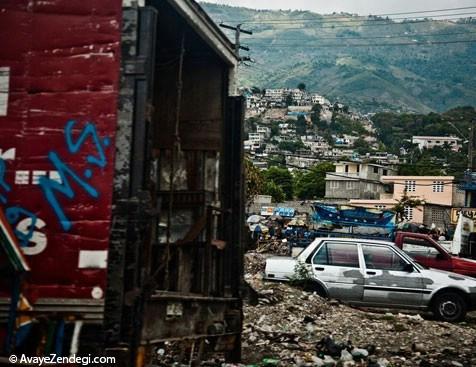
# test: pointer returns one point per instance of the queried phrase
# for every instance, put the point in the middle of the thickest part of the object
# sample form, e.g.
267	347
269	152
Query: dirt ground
286	325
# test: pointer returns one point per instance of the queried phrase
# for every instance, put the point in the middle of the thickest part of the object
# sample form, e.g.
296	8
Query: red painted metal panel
59	75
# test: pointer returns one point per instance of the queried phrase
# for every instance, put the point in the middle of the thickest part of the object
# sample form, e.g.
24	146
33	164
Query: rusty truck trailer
121	177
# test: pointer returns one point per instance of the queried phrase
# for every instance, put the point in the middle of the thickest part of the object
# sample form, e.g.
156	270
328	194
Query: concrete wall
424	188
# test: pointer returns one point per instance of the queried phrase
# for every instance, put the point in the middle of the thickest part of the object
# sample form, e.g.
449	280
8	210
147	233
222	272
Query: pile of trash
275	246
291	327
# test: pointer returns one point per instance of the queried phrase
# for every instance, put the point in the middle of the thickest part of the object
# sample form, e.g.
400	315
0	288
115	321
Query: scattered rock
345	356
359	353
329	361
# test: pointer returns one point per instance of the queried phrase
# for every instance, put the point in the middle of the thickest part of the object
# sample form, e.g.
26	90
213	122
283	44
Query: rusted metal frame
233	155
207	262
132	218
191	337
191	297
175	154
113	313
144	93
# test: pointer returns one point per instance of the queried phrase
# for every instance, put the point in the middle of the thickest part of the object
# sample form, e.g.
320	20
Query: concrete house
356	180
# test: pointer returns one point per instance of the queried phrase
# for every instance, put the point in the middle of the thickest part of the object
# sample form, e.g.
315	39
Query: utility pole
470	146
469	199
238	46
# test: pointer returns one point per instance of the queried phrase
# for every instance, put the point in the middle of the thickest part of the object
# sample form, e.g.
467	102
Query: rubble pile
290	327
254	263
275	246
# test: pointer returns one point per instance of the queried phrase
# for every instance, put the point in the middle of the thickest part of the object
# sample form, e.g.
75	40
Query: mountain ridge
344	63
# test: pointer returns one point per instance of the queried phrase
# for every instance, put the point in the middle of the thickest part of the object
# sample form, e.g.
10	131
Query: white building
429	142
255	137
274	95
316	98
264	131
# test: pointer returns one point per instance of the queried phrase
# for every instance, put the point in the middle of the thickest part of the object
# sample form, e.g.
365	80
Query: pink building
438	192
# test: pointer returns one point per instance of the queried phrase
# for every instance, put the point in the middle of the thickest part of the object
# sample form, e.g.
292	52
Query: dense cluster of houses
368	180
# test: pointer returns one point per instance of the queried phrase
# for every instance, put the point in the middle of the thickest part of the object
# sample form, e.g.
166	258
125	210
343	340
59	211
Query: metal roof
201	22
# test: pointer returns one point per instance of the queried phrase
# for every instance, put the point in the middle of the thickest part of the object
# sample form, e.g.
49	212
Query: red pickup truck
430	253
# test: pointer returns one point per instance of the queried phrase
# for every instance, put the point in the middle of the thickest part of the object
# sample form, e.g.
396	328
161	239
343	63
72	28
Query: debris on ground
291	327
275	246
285	326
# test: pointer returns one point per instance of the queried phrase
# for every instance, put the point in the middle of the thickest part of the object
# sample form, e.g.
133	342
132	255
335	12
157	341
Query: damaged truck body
121	177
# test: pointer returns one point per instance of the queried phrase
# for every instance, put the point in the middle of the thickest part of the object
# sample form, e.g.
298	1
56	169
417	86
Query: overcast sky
363	7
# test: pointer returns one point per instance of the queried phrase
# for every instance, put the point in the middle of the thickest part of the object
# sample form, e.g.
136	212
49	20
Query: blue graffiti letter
49	188
13	215
75	146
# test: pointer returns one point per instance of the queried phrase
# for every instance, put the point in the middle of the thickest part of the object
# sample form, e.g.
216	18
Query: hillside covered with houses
306	147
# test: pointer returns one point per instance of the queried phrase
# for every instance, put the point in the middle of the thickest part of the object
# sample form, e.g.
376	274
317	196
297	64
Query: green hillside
323	54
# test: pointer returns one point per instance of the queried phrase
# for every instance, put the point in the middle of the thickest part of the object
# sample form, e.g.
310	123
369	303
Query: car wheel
449	306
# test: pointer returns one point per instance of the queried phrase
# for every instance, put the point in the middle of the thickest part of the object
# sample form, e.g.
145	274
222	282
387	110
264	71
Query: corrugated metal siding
63	61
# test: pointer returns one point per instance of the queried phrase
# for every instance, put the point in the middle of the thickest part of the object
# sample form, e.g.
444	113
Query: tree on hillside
301	126
255	181
274	127
312	185
301	86
275	191
289	100
291	146
282	178
362	147
423	167
317	109
255	90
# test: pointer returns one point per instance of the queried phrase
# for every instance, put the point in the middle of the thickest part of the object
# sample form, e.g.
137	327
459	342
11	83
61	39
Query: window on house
410	186
334	184
350	184
375	169
346	168
408	213
385	172
438	186
358	169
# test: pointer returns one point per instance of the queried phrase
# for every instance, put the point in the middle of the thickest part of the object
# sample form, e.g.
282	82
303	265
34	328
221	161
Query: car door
336	264
425	253
390	280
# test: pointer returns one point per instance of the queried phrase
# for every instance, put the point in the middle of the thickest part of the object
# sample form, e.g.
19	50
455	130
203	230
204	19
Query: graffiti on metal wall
55	185
51	187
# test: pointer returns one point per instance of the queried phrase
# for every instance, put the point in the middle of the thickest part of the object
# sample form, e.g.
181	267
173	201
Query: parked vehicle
379	225
429	253
377	274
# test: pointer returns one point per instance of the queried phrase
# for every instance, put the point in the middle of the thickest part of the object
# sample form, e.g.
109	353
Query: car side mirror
409	268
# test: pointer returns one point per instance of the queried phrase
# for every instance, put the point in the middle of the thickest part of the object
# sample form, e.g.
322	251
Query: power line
326	159
352	20
428	43
371	37
253	20
367	20
367	24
